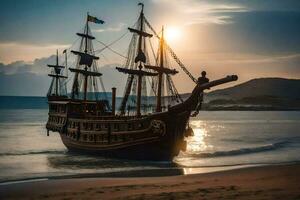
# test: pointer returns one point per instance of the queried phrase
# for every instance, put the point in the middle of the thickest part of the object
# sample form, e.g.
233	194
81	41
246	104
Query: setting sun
172	33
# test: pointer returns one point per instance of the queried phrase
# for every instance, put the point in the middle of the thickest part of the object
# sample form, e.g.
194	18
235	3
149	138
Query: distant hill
273	87
257	94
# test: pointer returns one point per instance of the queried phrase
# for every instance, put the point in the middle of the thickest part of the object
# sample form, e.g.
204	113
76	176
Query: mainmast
141	60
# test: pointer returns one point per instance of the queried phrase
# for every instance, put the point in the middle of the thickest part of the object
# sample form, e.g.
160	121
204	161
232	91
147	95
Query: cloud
11	52
199	7
117	28
203	12
234	58
266	59
212	20
21	78
38	66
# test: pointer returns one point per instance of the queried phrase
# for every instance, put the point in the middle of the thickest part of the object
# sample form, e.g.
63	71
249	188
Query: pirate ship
145	128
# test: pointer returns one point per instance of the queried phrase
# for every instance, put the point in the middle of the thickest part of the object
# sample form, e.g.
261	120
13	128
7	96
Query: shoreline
154	172
271	182
140	173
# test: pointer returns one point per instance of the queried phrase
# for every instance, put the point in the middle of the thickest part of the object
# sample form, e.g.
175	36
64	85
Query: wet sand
265	182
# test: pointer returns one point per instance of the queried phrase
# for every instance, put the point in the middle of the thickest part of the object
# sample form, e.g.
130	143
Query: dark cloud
257	32
38	66
259	5
24	79
268	31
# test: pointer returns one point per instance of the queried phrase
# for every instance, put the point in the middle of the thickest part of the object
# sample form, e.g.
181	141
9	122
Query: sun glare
172	34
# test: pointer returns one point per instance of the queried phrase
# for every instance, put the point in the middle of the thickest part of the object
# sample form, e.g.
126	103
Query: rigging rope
176	93
169	80
172	54
152	49
113	42
107	46
152	78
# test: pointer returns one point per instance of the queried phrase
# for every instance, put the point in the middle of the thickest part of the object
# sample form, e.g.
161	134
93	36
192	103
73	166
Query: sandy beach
265	182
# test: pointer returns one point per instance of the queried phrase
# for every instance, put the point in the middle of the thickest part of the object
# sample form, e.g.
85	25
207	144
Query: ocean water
222	139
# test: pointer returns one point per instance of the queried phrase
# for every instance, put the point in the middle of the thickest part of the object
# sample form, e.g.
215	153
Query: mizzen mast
55	85
161	69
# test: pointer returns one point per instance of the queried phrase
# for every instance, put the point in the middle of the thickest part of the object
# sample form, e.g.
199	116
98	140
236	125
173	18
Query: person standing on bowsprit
201	80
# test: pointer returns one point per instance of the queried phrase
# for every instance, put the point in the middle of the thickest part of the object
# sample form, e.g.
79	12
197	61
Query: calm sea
221	140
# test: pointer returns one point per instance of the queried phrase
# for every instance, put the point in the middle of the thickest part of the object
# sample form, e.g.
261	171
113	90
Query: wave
243	151
234	152
243	164
32	152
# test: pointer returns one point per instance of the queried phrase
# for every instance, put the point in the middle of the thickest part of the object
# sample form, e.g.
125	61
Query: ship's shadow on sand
109	167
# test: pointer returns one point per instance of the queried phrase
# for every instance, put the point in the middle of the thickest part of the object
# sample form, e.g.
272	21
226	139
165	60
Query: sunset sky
257	38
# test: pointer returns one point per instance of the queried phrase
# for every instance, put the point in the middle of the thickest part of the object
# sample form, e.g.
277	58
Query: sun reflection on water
198	142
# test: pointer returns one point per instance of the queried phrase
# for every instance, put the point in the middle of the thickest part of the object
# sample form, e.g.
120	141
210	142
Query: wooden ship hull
157	136
150	137
154	137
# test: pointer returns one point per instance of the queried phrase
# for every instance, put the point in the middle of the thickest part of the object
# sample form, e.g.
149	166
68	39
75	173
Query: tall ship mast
57	88
136	72
151	123
86	74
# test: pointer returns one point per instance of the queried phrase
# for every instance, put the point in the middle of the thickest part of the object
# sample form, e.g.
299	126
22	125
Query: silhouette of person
201	80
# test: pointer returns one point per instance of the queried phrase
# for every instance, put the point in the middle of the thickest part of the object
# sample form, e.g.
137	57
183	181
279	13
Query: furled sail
85	72
85	35
162	69
142	33
136	72
85	58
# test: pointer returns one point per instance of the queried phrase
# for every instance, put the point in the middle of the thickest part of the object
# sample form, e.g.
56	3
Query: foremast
86	58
